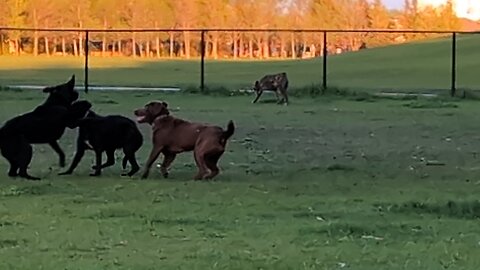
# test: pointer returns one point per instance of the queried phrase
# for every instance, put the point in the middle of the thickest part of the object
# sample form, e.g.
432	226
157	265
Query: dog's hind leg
277	96
59	151
13	171
124	162
133	162
167	161
24	160
129	151
12	151
285	98
98	160
211	161
202	168
110	160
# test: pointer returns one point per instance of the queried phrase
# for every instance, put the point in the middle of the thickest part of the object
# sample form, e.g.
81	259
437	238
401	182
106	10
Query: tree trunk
134	48
147	49
235	45
63	47
17	47
282	47
75	48
104	39
250	47
215	46
35	34
266	47
157	42
80	44
293	46
119	48
158	46
186	40
171	44
241	53
47	50
35	43
55	42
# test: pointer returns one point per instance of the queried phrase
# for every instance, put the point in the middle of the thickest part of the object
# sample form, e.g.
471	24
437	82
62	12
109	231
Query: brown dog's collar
159	117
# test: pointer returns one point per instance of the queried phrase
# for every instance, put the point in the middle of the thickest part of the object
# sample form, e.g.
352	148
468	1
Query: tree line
182	14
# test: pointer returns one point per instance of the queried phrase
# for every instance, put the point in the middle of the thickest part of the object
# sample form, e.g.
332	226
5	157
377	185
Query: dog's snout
137	112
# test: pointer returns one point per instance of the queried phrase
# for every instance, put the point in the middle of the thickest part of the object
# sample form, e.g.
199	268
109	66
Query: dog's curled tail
230	130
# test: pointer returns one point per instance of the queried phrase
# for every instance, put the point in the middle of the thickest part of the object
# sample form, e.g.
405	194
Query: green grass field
321	184
422	66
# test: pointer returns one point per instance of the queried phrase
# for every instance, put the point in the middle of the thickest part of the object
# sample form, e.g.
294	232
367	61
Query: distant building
468	9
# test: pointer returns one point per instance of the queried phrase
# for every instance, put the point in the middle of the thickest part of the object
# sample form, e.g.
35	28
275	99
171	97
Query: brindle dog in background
273	82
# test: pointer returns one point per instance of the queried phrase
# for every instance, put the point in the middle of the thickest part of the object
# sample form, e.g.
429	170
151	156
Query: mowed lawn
320	184
416	67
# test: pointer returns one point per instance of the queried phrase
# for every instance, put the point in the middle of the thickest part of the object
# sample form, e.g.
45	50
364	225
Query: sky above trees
394	4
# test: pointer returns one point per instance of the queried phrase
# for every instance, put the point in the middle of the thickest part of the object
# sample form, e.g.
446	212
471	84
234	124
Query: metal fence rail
203	32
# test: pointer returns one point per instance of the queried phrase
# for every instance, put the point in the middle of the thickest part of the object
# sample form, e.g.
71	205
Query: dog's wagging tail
230	130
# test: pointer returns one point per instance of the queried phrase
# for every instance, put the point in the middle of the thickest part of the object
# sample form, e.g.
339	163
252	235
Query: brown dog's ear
165	104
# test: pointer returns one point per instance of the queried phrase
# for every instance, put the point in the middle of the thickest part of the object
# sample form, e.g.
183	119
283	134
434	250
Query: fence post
86	61
202	62
325	55
453	87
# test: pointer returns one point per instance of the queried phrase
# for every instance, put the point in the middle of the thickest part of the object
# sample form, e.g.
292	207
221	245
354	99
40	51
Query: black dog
107	134
45	124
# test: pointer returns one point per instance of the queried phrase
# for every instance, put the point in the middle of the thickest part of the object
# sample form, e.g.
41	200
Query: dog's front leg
81	147
59	151
167	161
259	93
98	161
151	159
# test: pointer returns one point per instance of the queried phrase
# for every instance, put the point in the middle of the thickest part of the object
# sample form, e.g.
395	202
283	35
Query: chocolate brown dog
172	136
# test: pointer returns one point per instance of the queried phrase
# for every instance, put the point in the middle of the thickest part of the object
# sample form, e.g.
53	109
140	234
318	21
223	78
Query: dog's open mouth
141	119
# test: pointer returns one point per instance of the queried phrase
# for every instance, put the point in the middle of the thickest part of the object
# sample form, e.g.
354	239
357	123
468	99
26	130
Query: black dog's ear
165	104
71	82
257	84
